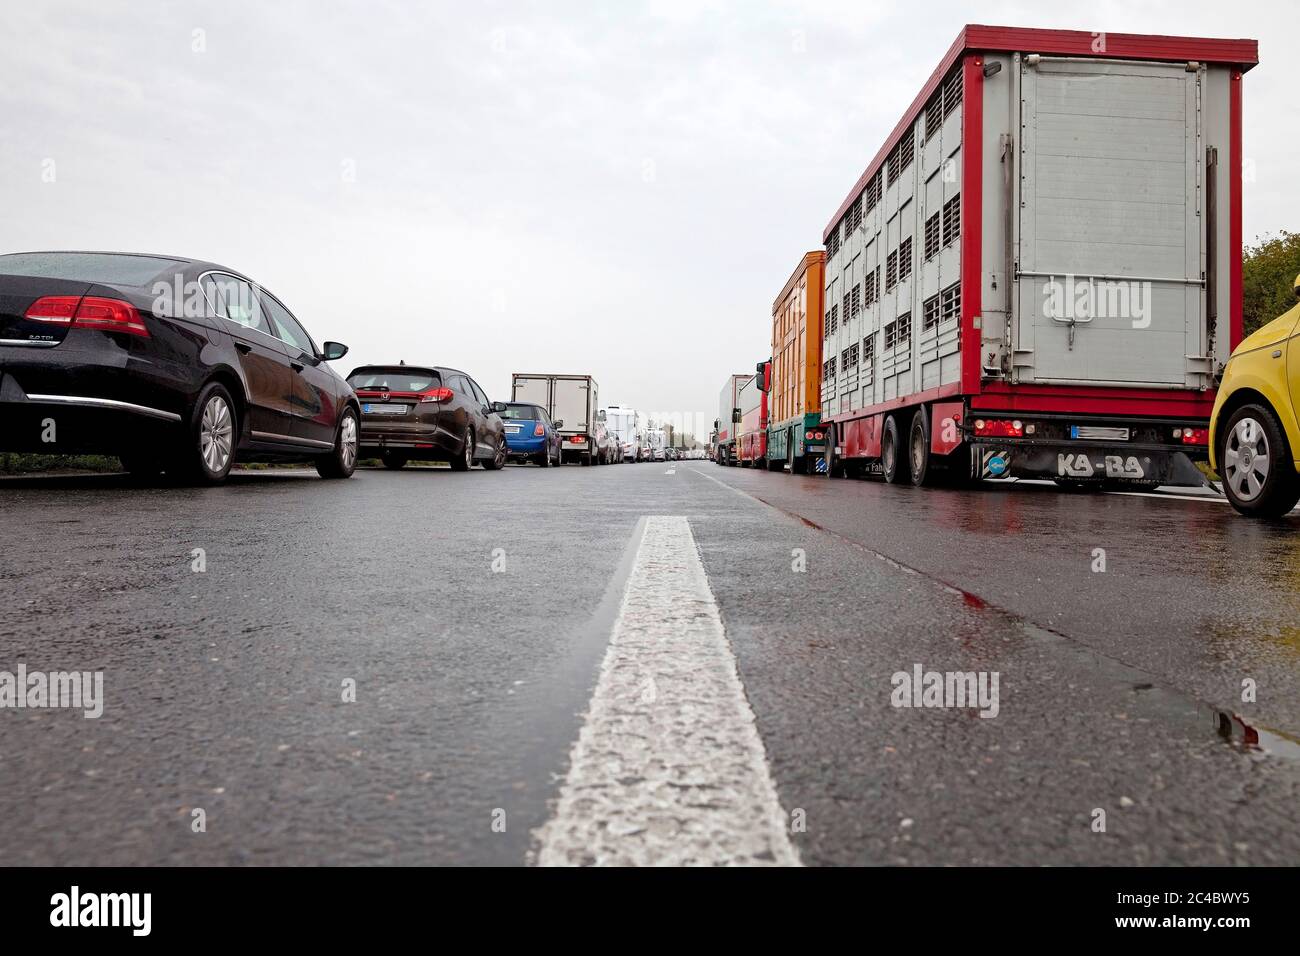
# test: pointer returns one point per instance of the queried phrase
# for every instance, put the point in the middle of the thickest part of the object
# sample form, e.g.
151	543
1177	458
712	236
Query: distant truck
572	402
625	424
751	436
727	423
794	435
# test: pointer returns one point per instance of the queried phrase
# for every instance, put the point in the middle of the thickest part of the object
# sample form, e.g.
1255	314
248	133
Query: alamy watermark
1082	299
946	689
79	690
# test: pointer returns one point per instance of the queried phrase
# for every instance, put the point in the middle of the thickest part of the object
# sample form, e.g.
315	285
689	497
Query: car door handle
296	366
245	349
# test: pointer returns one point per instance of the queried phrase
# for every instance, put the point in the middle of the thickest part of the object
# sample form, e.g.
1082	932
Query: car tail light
999	428
1193	436
539	430
88	312
437	395
56	309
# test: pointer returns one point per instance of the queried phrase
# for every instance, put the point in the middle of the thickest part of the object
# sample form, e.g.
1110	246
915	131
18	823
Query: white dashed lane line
668	768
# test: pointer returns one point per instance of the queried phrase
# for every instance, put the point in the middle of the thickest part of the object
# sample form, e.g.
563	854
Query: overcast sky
613	188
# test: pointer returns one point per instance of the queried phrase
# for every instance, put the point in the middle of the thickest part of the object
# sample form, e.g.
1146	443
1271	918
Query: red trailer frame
857	433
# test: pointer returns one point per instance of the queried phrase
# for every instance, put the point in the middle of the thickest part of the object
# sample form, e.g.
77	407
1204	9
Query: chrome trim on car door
109	403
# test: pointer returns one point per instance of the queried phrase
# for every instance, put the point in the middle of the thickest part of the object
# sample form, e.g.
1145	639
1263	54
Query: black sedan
170	363
428	413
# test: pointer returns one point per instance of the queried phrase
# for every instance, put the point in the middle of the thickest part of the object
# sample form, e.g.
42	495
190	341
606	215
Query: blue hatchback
531	435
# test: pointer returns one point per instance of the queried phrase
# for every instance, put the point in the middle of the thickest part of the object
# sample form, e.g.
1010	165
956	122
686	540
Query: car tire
465	460
919	464
393	461
498	459
893	461
1252	433
208	450
559	456
342	461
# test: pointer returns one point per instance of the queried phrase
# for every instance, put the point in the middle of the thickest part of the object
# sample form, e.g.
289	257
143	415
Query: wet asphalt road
1120	691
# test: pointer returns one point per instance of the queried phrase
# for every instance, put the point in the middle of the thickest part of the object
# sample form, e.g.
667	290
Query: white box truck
572	402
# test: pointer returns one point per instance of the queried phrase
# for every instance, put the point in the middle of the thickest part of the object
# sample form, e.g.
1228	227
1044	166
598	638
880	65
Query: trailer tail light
1193	436
89	312
539	430
999	428
436	395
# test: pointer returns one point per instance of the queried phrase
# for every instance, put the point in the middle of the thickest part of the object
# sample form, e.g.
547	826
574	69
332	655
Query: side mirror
1295	287
333	350
499	407
735	416
558	423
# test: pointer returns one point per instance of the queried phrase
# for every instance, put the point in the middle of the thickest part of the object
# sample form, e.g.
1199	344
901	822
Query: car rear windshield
520	413
106	267
395	379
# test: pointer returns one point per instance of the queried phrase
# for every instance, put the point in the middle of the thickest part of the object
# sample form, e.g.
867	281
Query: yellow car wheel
1256	465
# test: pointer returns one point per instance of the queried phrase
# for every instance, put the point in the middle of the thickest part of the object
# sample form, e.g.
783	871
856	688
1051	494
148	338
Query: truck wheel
1256	464
918	446
834	468
465	460
893	459
585	459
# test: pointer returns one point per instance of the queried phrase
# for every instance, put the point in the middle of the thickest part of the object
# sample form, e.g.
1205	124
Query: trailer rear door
535	389
1110	224
573	405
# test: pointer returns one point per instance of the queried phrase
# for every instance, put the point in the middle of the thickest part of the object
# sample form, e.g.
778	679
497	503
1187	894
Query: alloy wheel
1246	459
348	442
216	433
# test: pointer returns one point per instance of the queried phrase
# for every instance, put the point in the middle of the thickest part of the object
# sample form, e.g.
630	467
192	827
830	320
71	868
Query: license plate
514	429
385	409
1099	432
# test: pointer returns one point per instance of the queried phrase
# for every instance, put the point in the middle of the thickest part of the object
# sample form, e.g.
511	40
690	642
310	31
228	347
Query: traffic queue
993	300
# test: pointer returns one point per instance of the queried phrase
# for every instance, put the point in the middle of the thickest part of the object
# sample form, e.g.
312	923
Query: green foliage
1267	272
13	463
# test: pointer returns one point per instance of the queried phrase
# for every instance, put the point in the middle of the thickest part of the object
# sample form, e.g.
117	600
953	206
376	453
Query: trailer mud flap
1075	464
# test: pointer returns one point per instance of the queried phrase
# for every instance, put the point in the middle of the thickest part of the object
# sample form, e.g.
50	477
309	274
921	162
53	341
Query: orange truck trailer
794	435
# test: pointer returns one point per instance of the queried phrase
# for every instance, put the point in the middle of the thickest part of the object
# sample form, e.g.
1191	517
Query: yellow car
1254	432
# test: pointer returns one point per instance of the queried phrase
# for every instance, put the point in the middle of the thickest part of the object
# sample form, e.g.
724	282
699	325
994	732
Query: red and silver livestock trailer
1039	273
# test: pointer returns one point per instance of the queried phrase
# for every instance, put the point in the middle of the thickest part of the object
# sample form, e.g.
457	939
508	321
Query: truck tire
1251	435
834	469
893	457
918	449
